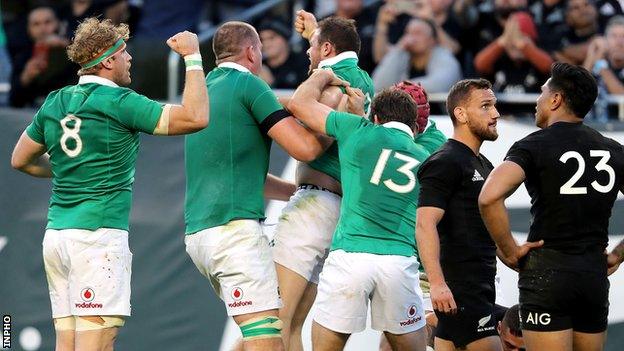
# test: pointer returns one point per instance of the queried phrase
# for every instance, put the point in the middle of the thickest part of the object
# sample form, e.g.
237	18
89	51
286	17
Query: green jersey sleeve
341	125
263	104
431	138
137	112
35	129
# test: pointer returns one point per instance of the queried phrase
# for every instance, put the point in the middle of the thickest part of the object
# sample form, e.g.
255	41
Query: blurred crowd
435	42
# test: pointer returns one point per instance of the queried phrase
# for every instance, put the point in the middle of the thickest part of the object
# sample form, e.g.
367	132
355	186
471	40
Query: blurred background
510	42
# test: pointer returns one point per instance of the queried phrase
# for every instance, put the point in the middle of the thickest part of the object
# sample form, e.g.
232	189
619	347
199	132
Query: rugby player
86	138
373	249
226	169
305	227
458	254
573	175
431	139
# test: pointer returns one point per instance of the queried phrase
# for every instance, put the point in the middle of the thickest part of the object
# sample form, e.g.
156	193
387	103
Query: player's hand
355	101
442	298
305	24
613	263
184	43
329	77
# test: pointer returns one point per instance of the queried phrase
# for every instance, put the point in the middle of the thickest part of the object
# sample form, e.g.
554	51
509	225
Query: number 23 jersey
573	175
91	132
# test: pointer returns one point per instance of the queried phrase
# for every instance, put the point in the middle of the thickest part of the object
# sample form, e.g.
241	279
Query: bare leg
275	344
551	341
96	340
491	343
292	287
443	345
324	339
384	345
301	313
414	341
589	342
64	340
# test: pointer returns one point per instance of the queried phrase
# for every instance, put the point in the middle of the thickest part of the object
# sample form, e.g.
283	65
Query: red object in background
41	51
526	24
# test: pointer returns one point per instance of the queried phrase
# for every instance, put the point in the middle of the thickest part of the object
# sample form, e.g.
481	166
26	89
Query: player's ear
376	119
460	114
556	101
326	49
498	327
108	63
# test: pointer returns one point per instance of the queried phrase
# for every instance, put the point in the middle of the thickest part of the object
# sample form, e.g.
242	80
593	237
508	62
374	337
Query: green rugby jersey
345	66
91	132
378	164
227	162
431	138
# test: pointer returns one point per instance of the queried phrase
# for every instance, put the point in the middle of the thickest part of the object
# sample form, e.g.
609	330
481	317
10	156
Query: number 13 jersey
91	132
378	166
573	175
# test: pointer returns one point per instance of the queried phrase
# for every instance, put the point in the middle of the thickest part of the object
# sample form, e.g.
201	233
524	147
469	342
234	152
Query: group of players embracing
378	191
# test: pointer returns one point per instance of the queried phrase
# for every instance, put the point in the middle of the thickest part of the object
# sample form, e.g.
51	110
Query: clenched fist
184	43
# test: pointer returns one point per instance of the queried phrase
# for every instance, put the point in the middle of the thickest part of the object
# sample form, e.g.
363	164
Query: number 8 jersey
573	175
378	166
91	132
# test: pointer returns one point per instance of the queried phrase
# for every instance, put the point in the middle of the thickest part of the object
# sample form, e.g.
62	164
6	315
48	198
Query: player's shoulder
446	155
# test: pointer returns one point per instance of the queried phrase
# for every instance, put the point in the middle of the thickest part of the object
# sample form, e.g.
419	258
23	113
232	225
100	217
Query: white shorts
88	272
304	232
237	260
349	280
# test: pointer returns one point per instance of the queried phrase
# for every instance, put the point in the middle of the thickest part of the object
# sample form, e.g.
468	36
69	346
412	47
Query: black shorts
560	291
475	317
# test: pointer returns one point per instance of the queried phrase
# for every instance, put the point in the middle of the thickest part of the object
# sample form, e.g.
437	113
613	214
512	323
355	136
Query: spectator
582	20
607	9
418	57
282	68
43	66
447	26
605	57
512	62
365	22
118	11
161	19
549	16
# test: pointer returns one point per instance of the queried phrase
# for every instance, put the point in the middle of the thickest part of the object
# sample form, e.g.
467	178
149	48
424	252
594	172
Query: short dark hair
231	38
460	91
576	84
512	320
394	105
341	33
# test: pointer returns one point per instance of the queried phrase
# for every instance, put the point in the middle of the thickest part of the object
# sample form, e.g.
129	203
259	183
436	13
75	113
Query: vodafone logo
87	294
237	293
411	311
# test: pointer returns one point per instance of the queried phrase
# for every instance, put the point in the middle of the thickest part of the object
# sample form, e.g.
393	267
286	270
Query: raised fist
184	43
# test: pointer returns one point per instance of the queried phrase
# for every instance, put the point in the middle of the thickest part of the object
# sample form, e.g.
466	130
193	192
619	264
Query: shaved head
231	38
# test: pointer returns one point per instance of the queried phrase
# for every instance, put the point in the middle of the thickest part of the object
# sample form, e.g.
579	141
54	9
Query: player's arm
29	157
616	256
193	114
278	189
428	239
305	103
500	184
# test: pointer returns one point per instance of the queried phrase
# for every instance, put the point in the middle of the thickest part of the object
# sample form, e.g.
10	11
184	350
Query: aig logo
538	318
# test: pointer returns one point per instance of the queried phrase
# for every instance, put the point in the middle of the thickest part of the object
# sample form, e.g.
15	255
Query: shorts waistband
315	187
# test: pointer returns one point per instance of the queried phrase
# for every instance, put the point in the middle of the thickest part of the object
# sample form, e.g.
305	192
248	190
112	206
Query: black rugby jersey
573	175
451	179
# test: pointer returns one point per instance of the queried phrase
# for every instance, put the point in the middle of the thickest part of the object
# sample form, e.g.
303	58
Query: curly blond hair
92	38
